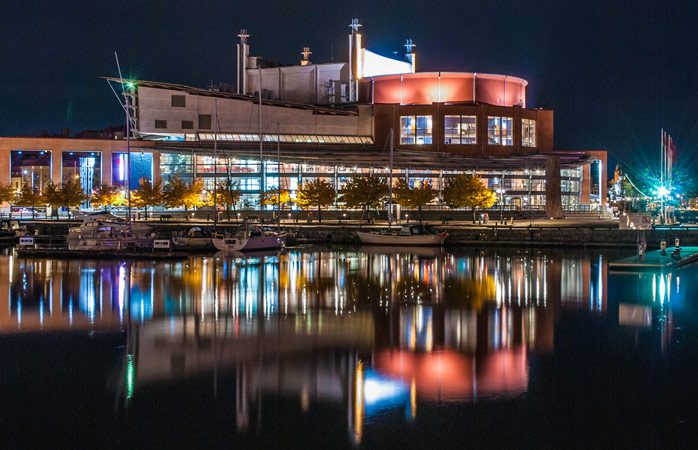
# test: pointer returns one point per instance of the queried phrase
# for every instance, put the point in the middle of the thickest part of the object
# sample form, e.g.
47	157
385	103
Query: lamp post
501	191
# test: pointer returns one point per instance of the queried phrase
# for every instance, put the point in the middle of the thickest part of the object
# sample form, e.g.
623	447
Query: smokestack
306	53
243	52
354	59
410	57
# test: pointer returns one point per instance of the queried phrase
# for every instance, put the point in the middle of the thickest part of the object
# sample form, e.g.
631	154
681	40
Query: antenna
409	45
243	36
354	25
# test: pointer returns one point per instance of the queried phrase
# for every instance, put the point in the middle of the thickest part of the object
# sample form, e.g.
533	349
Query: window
460	130
528	132
415	130
187	124
160	124
179	101
500	131
204	121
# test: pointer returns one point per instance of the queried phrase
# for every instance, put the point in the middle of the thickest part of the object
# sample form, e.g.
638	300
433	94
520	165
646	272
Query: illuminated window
528	132
500	131
415	130
460	130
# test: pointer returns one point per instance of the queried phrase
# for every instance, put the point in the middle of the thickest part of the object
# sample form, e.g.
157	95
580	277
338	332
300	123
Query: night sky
615	72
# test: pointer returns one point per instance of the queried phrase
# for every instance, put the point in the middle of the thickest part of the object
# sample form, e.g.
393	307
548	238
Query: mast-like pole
261	143
390	182
215	164
128	158
278	172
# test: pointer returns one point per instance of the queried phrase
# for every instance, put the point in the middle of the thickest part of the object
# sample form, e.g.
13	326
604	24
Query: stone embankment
558	233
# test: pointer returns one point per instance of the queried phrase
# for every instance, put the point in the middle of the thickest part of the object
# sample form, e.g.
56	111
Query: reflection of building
333	120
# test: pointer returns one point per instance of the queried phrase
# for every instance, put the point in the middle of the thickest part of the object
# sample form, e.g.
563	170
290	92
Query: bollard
662	246
676	242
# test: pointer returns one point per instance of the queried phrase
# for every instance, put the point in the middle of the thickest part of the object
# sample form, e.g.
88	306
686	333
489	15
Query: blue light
381	393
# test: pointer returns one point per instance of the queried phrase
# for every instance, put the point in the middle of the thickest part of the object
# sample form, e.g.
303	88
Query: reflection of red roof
448	376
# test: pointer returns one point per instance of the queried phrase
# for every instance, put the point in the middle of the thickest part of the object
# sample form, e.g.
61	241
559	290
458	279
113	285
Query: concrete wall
240	116
301	84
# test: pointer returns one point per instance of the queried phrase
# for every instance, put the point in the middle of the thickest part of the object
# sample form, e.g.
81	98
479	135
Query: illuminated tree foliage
415	197
29	198
147	194
107	196
316	193
71	194
364	192
271	197
7	193
467	191
228	194
177	193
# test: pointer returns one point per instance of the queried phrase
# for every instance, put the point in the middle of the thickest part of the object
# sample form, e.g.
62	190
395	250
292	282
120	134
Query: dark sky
614	71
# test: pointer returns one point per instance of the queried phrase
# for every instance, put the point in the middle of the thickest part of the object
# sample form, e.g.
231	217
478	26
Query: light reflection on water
372	330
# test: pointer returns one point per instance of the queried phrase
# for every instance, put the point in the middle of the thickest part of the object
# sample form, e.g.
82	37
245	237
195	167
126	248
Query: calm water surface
347	348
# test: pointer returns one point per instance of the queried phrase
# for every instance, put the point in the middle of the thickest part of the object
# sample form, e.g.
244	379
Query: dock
672	258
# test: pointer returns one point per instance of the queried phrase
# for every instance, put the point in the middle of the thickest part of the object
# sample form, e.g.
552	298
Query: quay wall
558	236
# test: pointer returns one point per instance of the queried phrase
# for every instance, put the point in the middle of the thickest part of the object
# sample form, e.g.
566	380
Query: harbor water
348	347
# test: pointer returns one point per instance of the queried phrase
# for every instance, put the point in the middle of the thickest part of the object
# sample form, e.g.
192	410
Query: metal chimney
243	53
409	54
306	53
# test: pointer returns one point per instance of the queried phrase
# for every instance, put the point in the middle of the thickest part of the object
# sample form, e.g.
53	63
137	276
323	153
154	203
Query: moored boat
196	238
250	238
413	234
104	231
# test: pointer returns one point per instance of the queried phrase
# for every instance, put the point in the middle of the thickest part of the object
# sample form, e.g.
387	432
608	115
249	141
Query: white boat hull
187	242
108	244
396	239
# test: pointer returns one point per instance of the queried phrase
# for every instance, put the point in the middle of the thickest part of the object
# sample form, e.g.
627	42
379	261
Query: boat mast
215	164
261	148
390	183
278	172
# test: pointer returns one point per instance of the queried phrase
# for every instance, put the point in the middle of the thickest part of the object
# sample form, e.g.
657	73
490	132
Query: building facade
284	125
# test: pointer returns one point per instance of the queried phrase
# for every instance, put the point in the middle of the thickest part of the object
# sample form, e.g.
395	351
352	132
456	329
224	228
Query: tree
467	190
275	197
228	194
108	195
147	194
72	195
177	193
364	192
415	197
52	197
7	193
29	198
316	193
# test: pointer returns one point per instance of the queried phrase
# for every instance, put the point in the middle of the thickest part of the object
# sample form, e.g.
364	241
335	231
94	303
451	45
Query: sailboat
411	234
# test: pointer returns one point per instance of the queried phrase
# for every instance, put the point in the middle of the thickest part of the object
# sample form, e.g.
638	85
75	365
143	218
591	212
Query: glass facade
415	130
528	132
500	131
30	167
141	167
460	130
85	167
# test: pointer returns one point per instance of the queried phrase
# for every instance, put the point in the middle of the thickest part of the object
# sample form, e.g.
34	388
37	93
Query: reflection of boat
195	238
104	231
423	251
410	234
250	238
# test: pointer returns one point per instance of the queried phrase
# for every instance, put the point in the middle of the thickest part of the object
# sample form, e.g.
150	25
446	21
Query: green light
130	376
130	85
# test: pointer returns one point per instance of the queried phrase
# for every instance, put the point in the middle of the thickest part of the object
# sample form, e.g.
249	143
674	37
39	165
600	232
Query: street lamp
501	192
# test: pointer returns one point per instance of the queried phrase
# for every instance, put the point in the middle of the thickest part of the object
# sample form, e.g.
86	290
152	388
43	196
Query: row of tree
359	193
